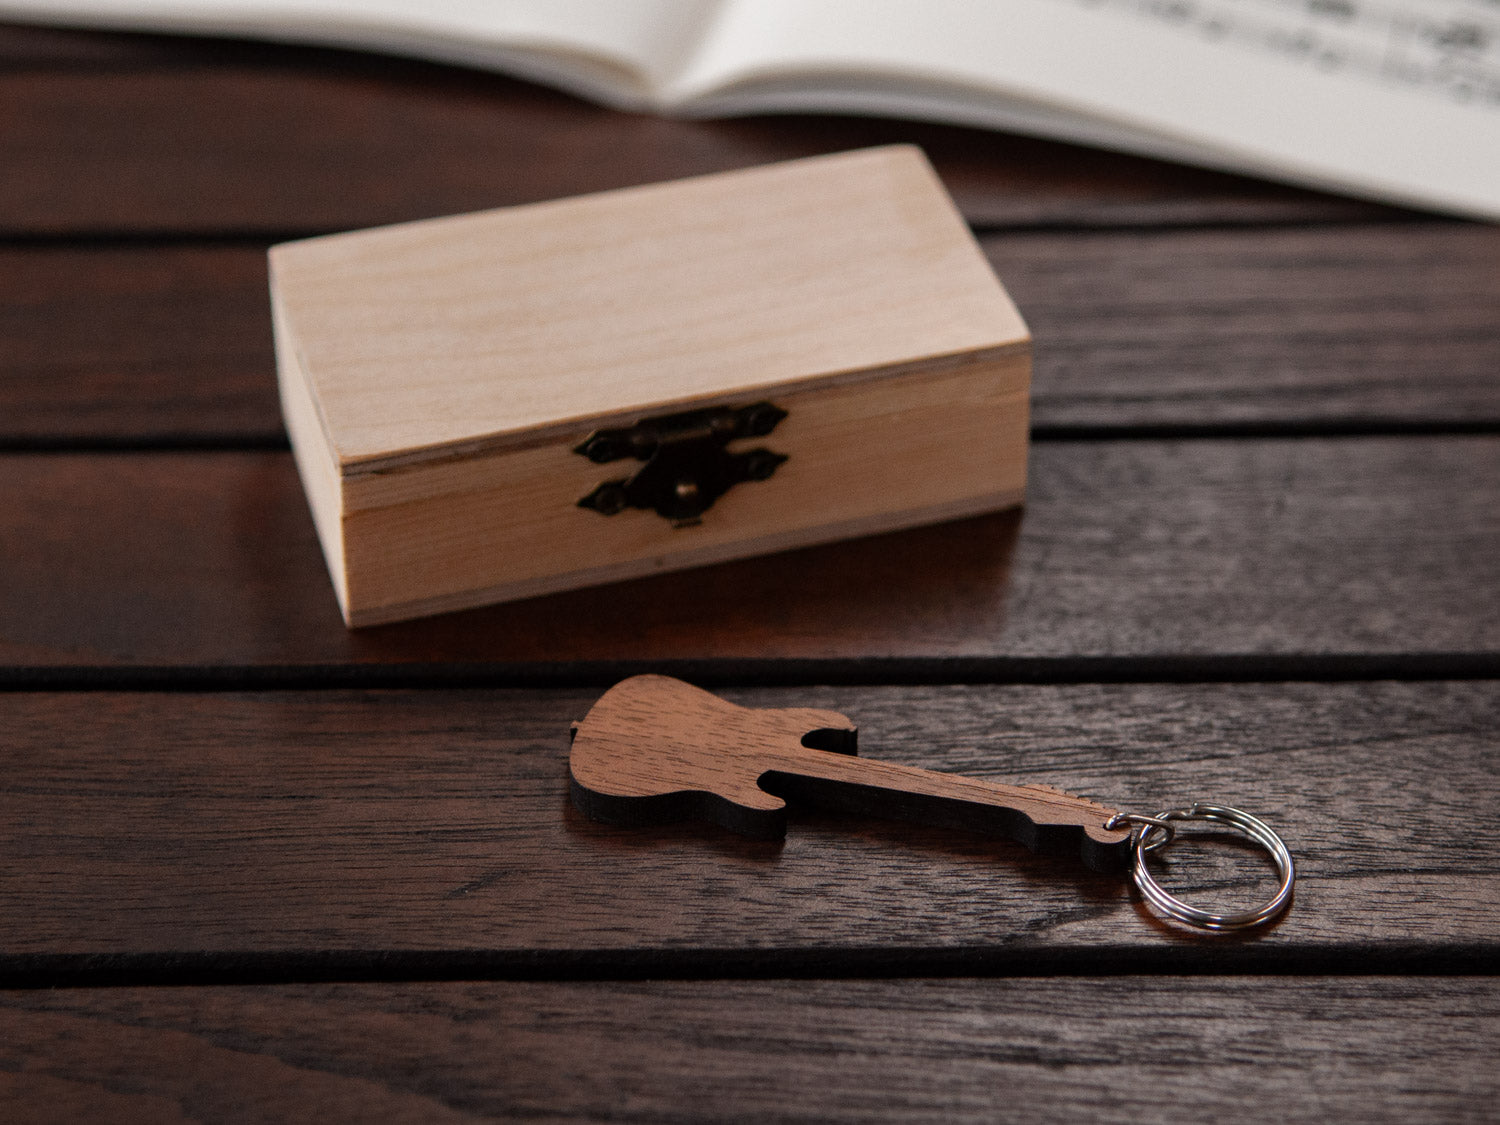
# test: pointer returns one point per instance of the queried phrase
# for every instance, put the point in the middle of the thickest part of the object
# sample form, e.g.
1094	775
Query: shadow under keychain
654	750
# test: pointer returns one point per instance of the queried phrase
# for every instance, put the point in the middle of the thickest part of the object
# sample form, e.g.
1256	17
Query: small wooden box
763	359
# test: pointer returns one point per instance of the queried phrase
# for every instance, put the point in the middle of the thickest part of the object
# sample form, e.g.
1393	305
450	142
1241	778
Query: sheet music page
1394	99
1448	48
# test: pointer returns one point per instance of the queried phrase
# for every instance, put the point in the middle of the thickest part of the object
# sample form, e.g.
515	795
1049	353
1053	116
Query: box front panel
864	456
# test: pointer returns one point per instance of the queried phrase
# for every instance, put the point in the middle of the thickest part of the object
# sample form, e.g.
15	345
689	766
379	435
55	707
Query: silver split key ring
1154	832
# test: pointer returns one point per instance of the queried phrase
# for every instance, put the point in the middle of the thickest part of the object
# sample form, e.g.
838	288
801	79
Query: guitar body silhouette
654	750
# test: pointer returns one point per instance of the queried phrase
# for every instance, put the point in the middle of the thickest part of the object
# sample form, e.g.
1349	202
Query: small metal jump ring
1149	826
1174	907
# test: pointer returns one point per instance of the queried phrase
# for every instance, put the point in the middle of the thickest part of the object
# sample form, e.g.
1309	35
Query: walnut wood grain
1127	550
167	836
1379	1048
1343	326
282	141
136	344
1375	325
654	750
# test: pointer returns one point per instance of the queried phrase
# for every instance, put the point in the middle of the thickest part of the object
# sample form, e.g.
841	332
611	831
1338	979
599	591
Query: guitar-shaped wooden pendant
654	749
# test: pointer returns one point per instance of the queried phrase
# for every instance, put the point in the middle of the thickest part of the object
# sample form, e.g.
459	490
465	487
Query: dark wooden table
258	867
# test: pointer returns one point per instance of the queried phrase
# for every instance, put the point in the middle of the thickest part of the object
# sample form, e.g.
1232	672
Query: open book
1395	100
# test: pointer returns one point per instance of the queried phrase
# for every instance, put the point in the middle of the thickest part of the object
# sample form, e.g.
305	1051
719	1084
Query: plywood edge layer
321	481
705	556
358	469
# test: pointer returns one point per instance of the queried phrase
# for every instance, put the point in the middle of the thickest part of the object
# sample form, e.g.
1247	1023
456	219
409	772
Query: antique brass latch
688	462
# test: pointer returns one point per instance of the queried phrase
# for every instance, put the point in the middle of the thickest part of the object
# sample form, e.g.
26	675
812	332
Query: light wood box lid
503	328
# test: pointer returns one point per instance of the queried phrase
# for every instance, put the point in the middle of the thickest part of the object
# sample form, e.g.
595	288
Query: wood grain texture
863	456
448	371
125	344
136	344
1126	549
282	141
655	750
483	331
1342	326
1374	325
1382	1049
421	833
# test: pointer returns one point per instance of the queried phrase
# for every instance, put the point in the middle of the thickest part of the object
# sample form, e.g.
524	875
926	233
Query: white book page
1395	99
619	51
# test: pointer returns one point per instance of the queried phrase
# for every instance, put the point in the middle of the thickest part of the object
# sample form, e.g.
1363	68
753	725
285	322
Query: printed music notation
1446	47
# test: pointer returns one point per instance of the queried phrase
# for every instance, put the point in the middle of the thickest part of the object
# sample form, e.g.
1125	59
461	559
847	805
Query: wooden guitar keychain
654	750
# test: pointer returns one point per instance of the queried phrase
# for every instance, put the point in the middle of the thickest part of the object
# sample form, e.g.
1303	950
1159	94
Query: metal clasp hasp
1157	831
688	464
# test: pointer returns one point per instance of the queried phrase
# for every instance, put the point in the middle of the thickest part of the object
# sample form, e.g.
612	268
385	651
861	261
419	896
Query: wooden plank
1381	326
167	836
136	344
296	144
1380	1049
1127	550
1363	326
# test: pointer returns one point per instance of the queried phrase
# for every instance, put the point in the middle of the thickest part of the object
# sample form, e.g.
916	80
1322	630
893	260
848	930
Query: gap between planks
249	969
773	672
147	238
